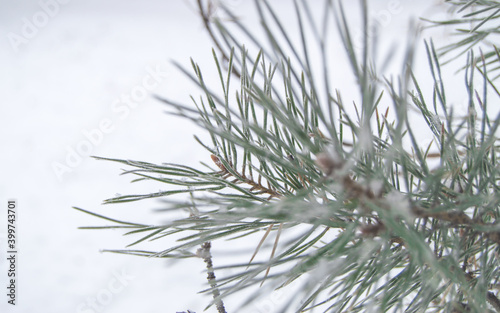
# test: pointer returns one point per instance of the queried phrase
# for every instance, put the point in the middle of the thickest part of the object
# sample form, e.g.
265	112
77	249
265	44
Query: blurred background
77	79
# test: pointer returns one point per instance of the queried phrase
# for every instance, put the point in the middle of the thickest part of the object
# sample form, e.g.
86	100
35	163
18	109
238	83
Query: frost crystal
365	138
436	121
400	205
376	186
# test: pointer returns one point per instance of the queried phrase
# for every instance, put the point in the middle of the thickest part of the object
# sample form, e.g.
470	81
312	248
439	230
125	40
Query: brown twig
457	218
493	300
490	296
244	179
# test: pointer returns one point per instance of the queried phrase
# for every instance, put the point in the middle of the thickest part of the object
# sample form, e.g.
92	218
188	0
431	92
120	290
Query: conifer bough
379	223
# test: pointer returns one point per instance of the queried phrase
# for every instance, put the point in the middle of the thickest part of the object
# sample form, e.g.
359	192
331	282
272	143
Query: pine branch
421	218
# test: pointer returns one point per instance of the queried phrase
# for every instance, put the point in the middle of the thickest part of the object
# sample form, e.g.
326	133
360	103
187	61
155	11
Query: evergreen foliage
415	228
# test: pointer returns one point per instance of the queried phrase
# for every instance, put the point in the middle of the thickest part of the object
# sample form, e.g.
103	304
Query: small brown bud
328	163
218	163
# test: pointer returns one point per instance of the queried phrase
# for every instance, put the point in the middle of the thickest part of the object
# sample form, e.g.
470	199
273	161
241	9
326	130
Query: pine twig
490	296
204	253
493	300
255	185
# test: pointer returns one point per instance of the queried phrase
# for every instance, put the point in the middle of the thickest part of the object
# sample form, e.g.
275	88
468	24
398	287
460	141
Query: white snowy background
67	77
